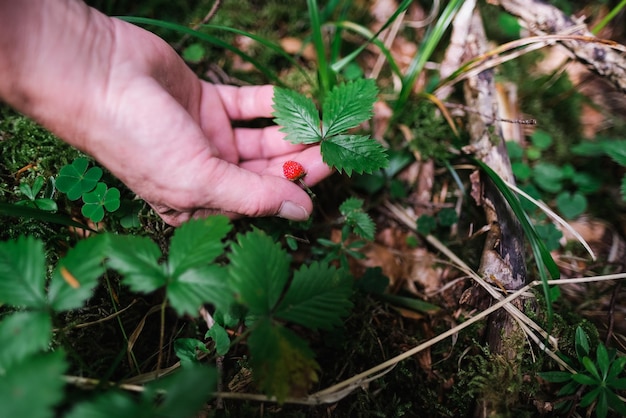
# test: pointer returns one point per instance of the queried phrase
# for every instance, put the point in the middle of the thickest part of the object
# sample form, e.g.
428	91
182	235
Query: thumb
251	194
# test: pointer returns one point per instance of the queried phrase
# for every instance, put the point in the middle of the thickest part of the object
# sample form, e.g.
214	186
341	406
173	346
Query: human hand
125	97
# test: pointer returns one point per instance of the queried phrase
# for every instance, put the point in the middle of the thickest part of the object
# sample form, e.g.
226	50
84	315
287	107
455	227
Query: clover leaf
74	179
100	199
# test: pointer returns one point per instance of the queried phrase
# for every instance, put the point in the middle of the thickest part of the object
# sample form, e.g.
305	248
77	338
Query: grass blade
271	75
40	215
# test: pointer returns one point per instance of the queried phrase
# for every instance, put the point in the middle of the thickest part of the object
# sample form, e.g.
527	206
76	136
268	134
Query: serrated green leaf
186	349
259	269
318	297
197	286
23	334
348	105
351	204
32	387
22	273
77	274
74	179
197	242
222	341
297	115
617	151
357	153
282	363
362	225
137	259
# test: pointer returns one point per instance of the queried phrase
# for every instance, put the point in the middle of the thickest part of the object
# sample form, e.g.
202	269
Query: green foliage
345	107
598	380
192	274
31	192
614	148
76	180
316	298
568	186
356	219
189	276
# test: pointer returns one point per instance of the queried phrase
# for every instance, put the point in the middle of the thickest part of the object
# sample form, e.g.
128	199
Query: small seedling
32	200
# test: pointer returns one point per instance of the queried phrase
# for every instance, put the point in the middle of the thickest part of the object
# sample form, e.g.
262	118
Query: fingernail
293	211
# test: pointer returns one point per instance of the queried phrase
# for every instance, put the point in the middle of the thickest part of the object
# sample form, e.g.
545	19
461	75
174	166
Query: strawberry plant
256	282
344	107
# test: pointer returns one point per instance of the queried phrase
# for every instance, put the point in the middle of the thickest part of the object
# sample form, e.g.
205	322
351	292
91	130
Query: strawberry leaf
297	115
318	297
350	153
360	222
197	242
282	363
23	334
136	258
348	105
193	287
259	269
77	274
22	273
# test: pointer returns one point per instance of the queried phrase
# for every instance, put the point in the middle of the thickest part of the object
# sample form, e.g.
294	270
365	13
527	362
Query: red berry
293	170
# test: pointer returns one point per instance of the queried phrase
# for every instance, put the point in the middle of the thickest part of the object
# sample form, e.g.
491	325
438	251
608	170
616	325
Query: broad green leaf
187	349
137	259
617	367
347	106
197	242
556	376
602	358
34	386
318	297
571	204
616	403
188	291
74	179
77	274
282	363
584	379
548	177
617	151
23	334
112	404
184	392
350	205
591	368
581	343
222	341
46	204
590	397
541	139
350	153
259	269
27	191
297	115
22	273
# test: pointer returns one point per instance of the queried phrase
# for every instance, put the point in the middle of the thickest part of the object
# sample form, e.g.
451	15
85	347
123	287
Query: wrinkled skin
122	95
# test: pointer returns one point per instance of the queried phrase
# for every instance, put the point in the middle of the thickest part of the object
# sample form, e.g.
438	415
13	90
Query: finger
234	189
266	143
310	158
248	102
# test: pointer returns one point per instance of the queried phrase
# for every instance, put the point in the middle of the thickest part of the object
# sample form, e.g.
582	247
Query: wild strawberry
293	170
